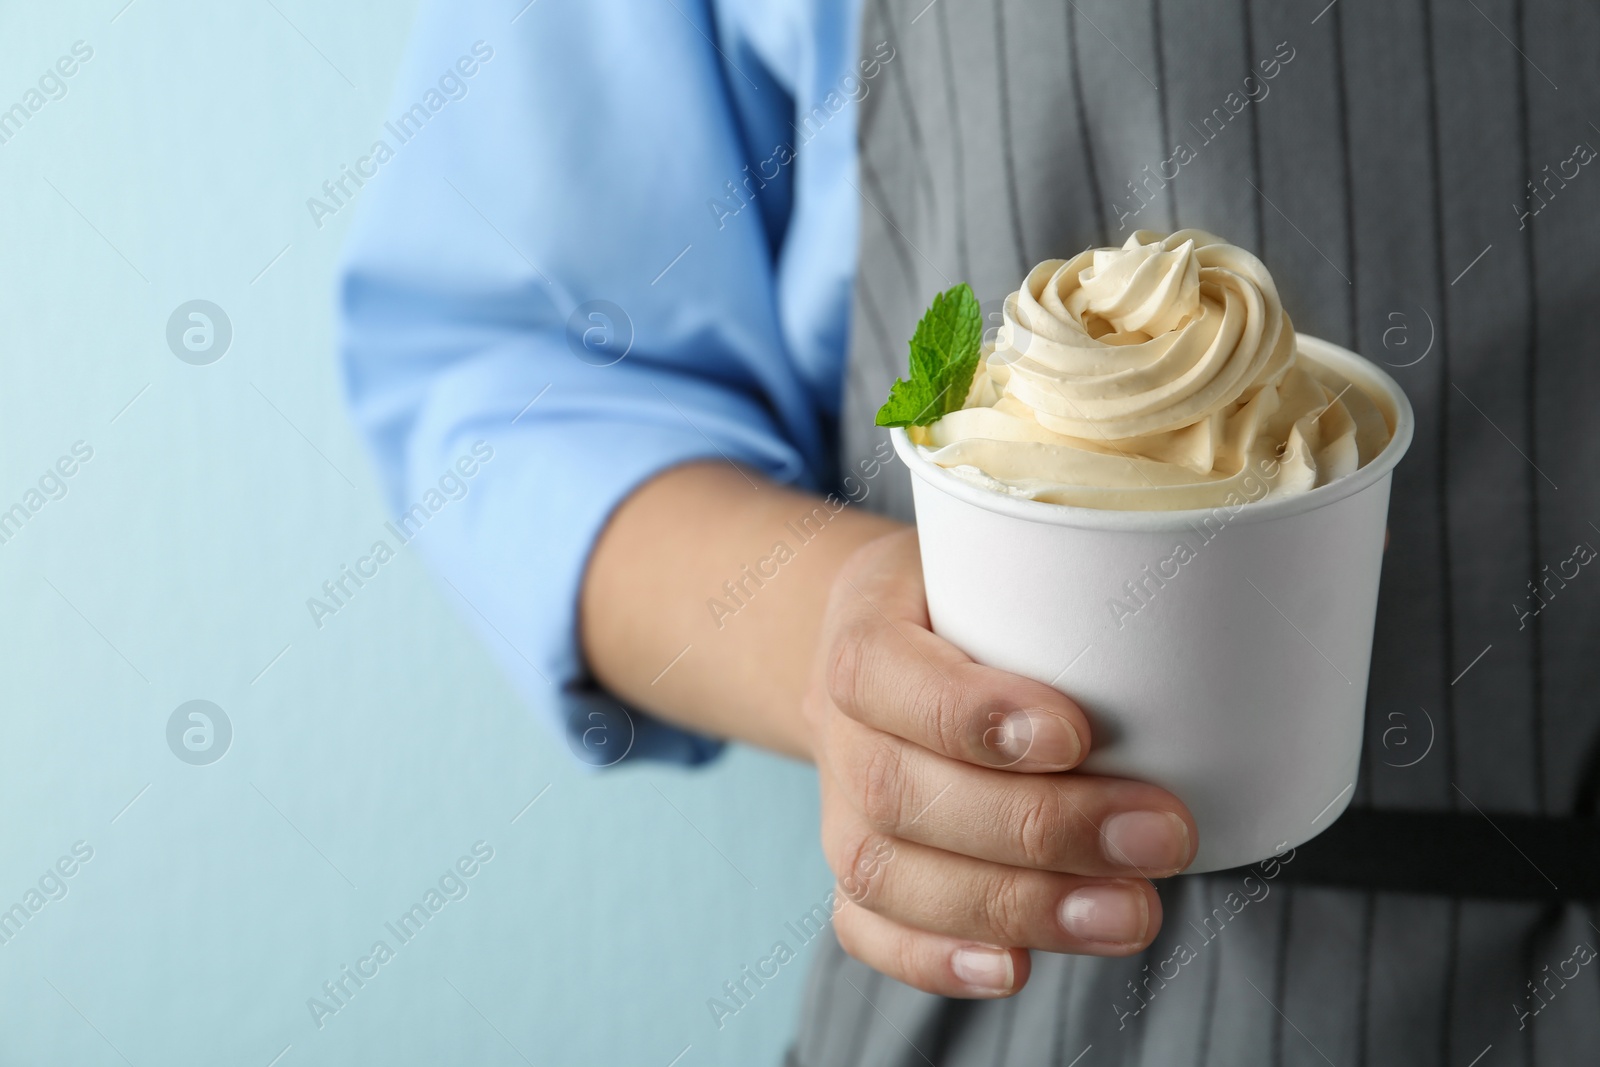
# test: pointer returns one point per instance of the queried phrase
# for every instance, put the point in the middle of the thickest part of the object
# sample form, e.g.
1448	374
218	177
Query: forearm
738	575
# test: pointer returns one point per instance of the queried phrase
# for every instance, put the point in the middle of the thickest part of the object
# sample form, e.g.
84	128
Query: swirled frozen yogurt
1162	375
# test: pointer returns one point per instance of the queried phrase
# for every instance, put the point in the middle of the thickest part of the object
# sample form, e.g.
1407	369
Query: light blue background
366	756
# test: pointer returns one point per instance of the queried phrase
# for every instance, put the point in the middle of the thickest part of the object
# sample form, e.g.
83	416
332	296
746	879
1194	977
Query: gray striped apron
1415	175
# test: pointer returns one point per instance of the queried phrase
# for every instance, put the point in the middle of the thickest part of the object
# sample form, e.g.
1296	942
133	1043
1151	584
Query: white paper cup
1240	683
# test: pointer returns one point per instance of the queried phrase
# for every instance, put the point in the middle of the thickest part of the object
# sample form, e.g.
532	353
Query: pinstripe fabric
1382	164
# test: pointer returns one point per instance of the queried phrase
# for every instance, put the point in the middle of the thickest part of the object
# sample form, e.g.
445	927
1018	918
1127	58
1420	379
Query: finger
957	896
1073	823
887	670
932	963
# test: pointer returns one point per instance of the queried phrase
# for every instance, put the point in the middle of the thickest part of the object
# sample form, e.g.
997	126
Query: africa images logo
199	332
199	732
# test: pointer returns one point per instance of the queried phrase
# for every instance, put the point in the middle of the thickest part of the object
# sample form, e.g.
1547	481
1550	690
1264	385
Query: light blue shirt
602	238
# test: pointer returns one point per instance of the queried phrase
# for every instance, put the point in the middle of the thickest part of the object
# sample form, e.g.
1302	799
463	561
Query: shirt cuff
514	548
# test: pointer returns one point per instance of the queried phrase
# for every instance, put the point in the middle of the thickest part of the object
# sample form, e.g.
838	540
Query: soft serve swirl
1161	375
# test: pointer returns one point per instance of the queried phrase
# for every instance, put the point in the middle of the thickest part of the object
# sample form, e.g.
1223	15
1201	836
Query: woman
630	257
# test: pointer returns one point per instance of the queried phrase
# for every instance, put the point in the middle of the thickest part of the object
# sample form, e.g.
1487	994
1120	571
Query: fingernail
1106	913
1035	736
1147	840
984	970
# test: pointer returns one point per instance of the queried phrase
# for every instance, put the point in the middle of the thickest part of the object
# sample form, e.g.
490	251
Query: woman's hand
950	814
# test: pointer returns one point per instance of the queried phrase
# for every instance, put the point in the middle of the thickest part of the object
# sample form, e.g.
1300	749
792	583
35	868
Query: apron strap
1467	854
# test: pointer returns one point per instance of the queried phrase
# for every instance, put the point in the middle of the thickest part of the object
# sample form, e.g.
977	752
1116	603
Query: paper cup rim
1383	389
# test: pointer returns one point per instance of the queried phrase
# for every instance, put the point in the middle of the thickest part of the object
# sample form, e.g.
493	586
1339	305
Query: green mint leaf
944	354
908	404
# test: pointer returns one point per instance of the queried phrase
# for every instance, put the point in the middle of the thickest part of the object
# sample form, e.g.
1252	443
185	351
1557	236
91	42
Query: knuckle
848	657
1041	835
859	861
882	787
944	702
962	715
1006	908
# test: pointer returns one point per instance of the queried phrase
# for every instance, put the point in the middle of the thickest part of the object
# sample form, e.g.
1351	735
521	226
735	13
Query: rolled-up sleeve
538	280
